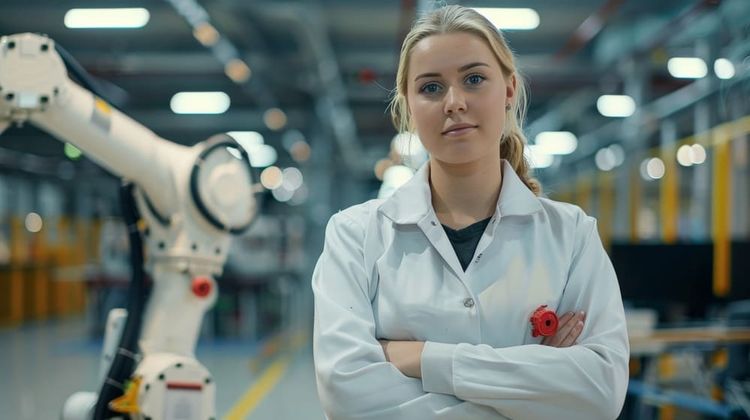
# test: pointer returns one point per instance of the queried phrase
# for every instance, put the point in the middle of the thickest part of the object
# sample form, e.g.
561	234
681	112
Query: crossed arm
406	356
361	378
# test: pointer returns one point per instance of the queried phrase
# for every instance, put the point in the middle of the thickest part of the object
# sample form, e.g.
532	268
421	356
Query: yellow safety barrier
721	218
669	197
44	276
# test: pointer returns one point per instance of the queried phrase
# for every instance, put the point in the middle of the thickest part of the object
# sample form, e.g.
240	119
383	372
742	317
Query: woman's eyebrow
460	69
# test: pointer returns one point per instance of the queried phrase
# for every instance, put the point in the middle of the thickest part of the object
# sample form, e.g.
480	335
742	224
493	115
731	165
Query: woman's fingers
552	340
570	328
565	329
573	335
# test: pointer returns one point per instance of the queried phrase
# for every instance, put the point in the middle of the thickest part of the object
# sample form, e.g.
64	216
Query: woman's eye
475	79
430	88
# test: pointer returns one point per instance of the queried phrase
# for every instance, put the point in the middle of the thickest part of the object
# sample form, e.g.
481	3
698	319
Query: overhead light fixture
271	178
685	155
699	154
282	194
300	151
292	178
135	17
687	67
247	138
723	68
510	18
33	222
652	168
275	119
615	105
537	158
619	153
237	70
200	103
608	158
409	148
394	177
605	159
261	155
556	142
206	34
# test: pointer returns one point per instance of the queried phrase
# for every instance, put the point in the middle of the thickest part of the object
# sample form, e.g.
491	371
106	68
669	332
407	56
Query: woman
423	300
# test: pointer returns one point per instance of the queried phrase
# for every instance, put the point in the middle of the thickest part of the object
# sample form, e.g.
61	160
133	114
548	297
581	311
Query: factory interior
638	113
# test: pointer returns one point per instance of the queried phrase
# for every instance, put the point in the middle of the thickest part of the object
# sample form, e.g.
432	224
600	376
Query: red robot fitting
543	322
201	286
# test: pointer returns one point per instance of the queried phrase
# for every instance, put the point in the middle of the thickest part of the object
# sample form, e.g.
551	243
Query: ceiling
328	60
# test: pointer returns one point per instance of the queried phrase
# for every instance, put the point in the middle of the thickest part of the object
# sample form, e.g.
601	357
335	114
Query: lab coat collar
413	201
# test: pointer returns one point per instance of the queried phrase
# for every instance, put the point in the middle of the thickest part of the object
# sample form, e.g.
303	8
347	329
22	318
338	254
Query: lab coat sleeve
353	377
586	381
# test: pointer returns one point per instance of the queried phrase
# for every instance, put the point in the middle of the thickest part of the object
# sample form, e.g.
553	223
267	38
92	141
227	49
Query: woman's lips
457	132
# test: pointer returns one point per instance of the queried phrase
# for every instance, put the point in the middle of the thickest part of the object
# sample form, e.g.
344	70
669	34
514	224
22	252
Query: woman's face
457	95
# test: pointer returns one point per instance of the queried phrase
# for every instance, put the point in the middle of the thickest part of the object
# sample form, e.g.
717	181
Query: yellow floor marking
264	385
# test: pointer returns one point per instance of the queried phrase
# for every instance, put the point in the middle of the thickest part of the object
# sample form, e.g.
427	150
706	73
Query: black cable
124	363
77	70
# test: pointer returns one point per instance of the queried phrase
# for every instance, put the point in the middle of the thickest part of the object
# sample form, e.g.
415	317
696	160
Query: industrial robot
185	203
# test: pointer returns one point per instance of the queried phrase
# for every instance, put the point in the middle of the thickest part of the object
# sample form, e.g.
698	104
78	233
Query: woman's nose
454	101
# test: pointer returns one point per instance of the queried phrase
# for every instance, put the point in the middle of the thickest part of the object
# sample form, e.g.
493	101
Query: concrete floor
42	364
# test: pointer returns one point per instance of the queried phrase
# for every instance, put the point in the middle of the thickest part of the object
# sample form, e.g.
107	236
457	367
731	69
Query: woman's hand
405	355
571	325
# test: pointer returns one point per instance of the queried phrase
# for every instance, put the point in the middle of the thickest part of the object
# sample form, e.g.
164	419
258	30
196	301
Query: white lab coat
388	271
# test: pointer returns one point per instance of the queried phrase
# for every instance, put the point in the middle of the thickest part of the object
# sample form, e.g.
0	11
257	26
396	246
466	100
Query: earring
507	106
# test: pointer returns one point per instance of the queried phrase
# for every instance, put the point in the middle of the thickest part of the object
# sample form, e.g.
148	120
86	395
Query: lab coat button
433	223
469	302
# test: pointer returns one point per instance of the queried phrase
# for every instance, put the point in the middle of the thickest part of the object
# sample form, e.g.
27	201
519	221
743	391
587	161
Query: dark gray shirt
465	240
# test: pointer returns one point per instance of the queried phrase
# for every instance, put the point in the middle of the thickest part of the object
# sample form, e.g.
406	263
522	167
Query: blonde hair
454	19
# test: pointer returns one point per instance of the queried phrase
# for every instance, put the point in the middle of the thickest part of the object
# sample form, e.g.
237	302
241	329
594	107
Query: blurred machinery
185	202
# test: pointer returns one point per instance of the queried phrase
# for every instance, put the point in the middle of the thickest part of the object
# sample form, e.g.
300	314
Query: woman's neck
465	194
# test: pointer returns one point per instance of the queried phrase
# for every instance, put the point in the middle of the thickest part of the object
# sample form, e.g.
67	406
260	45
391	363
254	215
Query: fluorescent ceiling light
199	103
538	158
136	17
687	67
615	105
723	68
247	138
557	142
261	155
510	18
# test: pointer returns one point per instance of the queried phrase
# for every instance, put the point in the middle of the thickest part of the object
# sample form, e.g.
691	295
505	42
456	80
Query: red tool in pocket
543	322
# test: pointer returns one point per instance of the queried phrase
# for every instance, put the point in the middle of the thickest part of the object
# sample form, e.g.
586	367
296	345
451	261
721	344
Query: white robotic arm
191	198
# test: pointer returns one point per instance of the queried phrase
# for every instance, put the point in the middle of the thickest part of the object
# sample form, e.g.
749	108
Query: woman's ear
510	88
